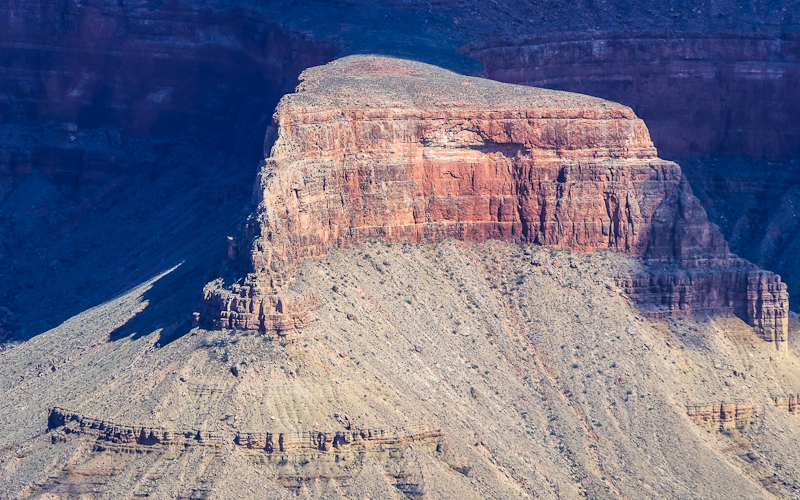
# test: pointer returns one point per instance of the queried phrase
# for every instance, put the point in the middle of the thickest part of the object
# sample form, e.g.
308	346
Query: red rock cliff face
394	150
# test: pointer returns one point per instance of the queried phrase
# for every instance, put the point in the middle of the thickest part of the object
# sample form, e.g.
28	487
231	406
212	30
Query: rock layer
698	94
111	436
790	403
379	148
724	416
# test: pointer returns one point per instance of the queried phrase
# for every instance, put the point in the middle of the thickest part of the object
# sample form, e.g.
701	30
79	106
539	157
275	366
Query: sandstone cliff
379	148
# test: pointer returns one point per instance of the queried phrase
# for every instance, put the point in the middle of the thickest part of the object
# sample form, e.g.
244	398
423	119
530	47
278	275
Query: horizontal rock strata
337	442
752	294
699	94
379	148
790	403
126	438
111	436
724	416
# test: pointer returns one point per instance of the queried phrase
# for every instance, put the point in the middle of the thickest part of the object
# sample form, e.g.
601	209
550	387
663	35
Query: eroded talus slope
449	370
379	148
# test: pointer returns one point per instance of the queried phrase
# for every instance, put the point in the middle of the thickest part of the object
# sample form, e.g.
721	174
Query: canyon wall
378	148
96	93
733	94
789	402
724	416
161	69
754	203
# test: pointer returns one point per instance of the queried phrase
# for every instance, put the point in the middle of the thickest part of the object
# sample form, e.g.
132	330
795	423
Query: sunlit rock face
378	148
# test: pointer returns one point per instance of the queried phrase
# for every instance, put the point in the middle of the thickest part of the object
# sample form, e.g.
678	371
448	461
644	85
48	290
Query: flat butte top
378	82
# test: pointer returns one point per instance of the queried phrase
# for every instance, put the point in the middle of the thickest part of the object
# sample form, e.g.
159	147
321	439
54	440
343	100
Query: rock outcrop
742	290
112	436
790	403
246	307
378	148
723	416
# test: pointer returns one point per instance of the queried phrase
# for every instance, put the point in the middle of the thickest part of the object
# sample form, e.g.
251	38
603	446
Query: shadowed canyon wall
755	203
379	148
100	103
161	69
95	92
698	93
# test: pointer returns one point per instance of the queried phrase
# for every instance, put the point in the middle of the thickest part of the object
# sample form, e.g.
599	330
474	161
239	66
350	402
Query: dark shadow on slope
68	253
170	302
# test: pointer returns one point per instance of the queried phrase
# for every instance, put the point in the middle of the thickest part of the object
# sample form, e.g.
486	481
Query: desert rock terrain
382	148
495	370
348	250
420	343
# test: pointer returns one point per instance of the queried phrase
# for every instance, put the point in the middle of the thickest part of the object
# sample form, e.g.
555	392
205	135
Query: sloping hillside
449	370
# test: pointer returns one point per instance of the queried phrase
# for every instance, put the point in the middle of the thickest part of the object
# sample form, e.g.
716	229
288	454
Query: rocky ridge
738	89
110	436
399	151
